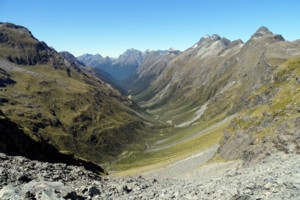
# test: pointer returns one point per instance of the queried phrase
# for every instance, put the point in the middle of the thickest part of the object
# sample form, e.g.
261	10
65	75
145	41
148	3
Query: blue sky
109	27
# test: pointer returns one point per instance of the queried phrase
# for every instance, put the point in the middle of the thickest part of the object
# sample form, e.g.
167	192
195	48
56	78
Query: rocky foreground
277	177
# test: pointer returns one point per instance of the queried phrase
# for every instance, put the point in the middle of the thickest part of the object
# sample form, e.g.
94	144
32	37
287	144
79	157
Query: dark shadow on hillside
14	142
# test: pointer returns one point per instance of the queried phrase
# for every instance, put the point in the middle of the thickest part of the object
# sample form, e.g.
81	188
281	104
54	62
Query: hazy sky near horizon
109	27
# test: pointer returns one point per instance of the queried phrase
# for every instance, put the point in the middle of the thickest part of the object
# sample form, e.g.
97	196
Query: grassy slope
271	123
230	85
77	116
183	145
91	120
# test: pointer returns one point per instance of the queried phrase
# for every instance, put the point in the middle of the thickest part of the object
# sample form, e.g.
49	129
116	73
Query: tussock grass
138	162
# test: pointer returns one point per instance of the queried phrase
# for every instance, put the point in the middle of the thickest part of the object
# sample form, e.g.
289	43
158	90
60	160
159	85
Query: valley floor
276	177
183	167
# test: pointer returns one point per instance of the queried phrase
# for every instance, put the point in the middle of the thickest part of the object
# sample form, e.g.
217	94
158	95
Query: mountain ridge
75	111
222	114
215	80
169	91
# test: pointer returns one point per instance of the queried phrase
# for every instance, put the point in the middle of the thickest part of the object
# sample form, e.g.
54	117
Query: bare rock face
27	50
264	31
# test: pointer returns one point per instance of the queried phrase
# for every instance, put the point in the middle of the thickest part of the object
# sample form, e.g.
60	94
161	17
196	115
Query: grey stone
3	156
275	178
56	177
93	191
268	185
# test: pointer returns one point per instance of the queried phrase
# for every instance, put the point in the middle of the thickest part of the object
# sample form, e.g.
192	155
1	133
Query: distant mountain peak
264	31
130	56
213	37
131	50
208	39
71	58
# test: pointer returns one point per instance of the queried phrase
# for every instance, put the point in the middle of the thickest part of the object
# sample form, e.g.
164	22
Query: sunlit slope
202	89
214	77
55	100
271	122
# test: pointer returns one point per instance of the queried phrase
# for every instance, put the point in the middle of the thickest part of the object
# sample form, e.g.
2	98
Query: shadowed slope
13	141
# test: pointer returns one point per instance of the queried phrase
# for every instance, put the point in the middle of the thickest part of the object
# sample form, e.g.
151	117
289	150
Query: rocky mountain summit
95	60
119	68
125	67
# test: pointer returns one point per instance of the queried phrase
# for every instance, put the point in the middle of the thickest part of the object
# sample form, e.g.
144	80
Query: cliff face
19	46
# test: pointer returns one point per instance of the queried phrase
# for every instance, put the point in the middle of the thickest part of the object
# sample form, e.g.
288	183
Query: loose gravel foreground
277	177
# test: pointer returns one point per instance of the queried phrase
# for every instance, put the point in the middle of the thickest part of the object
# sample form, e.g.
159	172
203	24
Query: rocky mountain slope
54	100
275	178
215	77
134	70
248	91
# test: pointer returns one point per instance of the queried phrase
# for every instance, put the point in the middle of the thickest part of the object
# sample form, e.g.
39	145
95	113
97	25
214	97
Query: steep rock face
71	109
19	46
